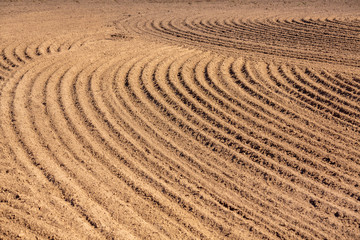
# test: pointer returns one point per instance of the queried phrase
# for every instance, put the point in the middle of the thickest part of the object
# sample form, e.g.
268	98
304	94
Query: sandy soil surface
180	119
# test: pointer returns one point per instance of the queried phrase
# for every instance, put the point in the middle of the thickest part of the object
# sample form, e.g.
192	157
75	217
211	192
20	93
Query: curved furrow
254	144
226	98
279	81
280	145
160	161
342	90
72	141
36	127
351	194
240	72
343	105
347	24
350	83
5	64
9	60
150	165
317	145
138	190
254	123
330	29
248	30
82	175
190	32
332	141
325	108
95	144
253	35
170	99
71	191
24	147
216	124
206	220
182	172
147	108
33	229
182	156
310	82
168	95
310	28
181	153
207	121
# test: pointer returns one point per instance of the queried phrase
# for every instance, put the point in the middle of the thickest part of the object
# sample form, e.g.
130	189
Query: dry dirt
180	119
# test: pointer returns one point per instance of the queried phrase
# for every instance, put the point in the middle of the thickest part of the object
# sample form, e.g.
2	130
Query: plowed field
179	120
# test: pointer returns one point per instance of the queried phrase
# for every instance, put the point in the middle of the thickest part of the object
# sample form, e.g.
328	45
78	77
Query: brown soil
180	119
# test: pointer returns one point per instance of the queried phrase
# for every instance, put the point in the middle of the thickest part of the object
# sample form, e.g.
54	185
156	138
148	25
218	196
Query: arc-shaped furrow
85	157
307	33
240	71
5	64
44	144
350	83
254	123
352	195
166	95
325	108
149	195
187	68
134	101
181	154
347	24
330	29
253	144
188	33
314	146
259	31
344	105
17	123
29	227
99	200
260	116
148	173
29	200
154	167
309	38
341	22
131	162
245	141
300	25
351	108
127	86
341	90
279	145
332	141
279	81
120	233
306	25
91	142
20	52
46	47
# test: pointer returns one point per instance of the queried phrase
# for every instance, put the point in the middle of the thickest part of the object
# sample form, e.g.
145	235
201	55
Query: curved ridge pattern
167	142
330	40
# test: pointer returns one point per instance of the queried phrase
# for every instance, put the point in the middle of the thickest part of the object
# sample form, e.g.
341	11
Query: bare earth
180	119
